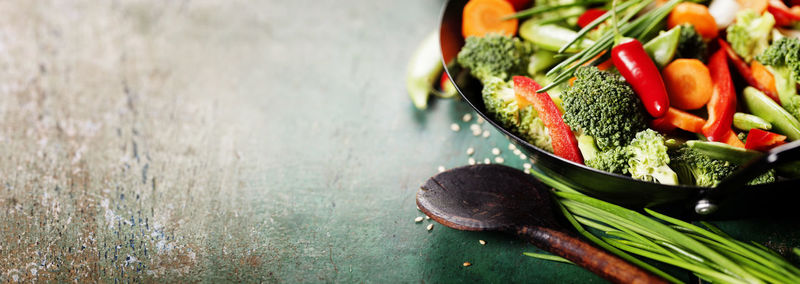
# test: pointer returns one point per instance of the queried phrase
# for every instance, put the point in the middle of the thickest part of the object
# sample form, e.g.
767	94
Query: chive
796	251
547	8
585	30
557	19
547	257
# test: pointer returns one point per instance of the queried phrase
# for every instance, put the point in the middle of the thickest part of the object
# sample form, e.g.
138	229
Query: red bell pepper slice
564	143
638	69
784	16
722	104
746	72
761	140
589	16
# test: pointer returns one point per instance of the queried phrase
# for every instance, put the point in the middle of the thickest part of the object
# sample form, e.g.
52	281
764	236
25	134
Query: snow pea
761	105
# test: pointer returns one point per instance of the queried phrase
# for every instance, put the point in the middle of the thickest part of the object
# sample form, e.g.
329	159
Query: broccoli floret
495	55
749	36
691	44
695	168
501	103
767	177
783	59
603	106
614	160
649	160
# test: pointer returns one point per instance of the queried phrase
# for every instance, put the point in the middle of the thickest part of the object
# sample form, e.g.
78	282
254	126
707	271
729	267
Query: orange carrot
731	139
484	16
759	6
688	83
683	120
763	76
695	14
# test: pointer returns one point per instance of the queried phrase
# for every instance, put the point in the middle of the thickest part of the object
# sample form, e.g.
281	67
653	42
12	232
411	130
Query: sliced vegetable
732	139
747	122
749	36
481	17
695	14
749	74
765	79
688	83
663	47
638	69
722	104
541	60
589	16
784	16
762	140
564	143
423	69
723	11
764	107
722	151
550	37
676	118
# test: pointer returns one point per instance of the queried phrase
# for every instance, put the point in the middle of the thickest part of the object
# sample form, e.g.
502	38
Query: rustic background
233	141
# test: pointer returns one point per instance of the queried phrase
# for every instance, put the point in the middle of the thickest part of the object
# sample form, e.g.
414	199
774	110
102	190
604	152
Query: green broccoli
501	103
767	177
691	44
495	56
602	105
783	60
749	36
695	168
615	160
649	160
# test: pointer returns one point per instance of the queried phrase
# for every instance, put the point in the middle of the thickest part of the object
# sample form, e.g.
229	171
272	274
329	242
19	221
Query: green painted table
235	141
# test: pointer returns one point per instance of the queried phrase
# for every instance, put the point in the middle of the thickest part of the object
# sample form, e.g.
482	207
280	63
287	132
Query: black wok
752	200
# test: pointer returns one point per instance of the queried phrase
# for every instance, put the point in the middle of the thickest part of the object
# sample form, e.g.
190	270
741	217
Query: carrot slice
688	83
695	14
680	119
763	76
759	6
730	138
484	16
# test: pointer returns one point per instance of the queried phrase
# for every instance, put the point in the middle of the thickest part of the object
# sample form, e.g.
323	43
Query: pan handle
735	183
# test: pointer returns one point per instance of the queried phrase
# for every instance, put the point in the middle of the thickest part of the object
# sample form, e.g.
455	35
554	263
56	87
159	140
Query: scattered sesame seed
495	151
498	160
476	132
482	242
480	120
441	169
512	147
471	161
430	227
526	165
467	264
466	117
470	151
517	152
474	127
455	127
427	217
486	134
418	219
487	161
522	157
527	171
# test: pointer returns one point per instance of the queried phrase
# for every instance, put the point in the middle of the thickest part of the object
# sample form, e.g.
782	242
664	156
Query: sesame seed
495	151
441	169
512	147
427	217
418	219
466	117
526	165
482	242
471	161
480	120
470	151
517	152
476	132
498	160
487	161
474	127
485	133
430	227
522	157
527	171
467	264
455	127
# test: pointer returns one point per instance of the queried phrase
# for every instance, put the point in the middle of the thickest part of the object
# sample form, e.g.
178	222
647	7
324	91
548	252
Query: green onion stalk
703	249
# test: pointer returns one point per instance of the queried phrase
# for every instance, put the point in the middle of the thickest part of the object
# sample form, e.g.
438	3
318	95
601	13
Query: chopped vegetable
763	77
602	105
747	122
695	14
723	11
722	104
749	36
564	143
541	60
614	160
676	118
722	151
691	44
495	56
649	160
550	37
748	73
662	48
784	16
762	140
764	107
696	168
635	65
481	17
758	6
423	68
447	87
688	83
589	16
783	60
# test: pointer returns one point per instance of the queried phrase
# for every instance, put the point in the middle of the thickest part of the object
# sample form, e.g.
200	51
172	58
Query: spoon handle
582	253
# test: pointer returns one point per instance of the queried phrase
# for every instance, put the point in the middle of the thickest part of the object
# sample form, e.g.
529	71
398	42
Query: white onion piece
724	12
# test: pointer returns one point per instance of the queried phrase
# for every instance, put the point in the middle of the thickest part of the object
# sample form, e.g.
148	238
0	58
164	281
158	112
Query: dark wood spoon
500	198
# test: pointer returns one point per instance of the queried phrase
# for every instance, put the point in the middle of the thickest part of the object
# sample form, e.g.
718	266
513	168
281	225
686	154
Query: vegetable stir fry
666	91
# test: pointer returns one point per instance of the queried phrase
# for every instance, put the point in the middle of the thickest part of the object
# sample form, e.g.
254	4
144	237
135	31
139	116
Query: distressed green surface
234	141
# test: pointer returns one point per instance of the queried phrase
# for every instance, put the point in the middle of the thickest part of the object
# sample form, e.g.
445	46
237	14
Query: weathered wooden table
234	141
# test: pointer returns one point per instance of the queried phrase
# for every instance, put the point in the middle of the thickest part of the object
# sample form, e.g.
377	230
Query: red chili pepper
784	16
564	143
761	140
746	72
722	104
589	16
639	70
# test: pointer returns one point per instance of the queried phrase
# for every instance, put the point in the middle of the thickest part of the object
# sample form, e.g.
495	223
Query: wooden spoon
500	198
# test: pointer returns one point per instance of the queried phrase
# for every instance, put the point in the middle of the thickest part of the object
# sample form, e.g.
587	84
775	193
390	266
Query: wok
772	198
